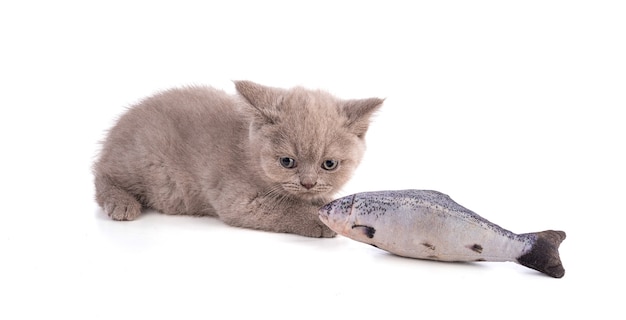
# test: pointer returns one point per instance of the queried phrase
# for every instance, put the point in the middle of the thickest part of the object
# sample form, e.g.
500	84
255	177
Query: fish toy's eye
287	162
330	164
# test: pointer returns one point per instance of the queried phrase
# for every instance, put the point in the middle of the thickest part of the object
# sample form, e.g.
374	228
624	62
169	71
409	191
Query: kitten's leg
287	216
117	203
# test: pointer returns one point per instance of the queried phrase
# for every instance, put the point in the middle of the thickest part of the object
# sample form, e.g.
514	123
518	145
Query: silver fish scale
379	202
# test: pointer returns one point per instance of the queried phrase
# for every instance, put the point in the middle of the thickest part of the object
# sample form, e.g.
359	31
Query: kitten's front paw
122	210
317	230
326	232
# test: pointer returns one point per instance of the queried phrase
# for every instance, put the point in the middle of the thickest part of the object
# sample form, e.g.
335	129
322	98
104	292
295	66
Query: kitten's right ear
359	112
263	99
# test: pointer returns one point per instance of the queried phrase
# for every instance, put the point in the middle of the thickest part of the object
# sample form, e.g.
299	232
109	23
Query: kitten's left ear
359	112
263	99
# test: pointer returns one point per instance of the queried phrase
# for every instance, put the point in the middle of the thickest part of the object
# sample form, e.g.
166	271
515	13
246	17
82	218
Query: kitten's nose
307	184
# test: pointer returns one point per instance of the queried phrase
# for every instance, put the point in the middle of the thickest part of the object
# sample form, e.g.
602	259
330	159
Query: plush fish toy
429	225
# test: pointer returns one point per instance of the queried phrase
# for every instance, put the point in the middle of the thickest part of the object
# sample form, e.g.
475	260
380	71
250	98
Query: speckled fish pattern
427	224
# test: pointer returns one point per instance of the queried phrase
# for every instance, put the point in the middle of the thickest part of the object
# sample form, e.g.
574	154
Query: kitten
266	158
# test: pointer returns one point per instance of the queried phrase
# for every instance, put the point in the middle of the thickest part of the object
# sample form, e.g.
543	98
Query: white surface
516	111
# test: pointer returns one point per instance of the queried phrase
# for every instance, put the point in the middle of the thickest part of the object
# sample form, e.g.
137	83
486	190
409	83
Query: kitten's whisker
275	196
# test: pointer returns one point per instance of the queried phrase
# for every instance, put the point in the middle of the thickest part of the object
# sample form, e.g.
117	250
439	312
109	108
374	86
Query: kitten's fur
200	151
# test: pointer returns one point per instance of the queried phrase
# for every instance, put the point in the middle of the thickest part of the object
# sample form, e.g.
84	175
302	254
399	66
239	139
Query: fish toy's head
337	213
356	216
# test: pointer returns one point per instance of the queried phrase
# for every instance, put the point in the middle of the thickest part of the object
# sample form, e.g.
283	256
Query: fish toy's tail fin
544	254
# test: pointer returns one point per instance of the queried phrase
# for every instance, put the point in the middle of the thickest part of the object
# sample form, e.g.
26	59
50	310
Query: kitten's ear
263	99
359	112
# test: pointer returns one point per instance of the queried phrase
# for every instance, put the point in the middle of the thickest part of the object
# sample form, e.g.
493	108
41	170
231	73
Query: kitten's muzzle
308	185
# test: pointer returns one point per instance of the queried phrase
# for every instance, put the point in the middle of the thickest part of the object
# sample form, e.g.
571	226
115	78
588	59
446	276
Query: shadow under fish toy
429	225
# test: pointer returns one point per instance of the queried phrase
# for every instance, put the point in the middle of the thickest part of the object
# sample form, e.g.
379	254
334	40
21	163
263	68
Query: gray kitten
266	158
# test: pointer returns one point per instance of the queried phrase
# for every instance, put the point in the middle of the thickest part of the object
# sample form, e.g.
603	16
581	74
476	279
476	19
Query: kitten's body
200	151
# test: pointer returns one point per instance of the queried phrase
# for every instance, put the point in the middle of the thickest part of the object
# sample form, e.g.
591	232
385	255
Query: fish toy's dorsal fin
544	254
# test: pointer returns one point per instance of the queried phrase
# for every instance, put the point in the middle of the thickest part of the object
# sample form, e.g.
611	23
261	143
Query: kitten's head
308	142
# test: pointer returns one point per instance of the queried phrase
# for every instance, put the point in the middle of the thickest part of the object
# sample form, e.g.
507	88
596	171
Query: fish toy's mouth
324	212
337	210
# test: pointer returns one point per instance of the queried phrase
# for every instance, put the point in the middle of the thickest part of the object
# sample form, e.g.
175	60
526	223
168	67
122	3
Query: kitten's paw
122	210
326	232
317	230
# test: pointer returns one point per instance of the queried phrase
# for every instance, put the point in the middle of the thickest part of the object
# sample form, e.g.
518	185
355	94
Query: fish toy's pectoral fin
367	230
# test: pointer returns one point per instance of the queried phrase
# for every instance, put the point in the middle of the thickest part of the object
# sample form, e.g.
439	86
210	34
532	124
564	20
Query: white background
516	110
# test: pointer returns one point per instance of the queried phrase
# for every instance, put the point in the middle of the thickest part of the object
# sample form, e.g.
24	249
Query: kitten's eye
287	162
330	164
